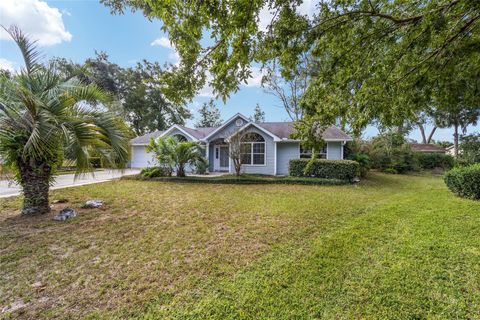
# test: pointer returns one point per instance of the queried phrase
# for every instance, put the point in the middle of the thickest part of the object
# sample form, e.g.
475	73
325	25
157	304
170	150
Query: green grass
392	247
244	179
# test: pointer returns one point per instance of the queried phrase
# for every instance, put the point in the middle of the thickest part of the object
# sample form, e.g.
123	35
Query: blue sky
75	29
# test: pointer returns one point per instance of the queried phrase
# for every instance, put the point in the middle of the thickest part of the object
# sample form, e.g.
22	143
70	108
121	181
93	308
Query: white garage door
140	158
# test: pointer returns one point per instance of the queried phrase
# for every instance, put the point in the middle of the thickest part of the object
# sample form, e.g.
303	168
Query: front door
221	158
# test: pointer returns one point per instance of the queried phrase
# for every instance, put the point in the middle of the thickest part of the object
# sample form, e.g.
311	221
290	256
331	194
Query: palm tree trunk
181	171
35	181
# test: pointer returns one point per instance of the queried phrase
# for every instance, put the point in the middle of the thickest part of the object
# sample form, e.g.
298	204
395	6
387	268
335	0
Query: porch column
207	155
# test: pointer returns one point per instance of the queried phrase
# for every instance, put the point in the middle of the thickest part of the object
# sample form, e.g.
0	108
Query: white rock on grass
65	214
95	203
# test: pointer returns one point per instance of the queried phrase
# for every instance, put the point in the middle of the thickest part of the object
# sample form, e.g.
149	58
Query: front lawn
397	247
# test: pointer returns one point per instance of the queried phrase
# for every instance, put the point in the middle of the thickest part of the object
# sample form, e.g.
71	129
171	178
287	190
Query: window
180	137
307	153
253	149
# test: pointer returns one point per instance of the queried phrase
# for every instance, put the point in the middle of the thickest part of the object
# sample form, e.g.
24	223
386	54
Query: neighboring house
268	153
450	150
427	148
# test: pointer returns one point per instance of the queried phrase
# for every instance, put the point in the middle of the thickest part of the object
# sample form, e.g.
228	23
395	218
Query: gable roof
145	139
284	130
199	133
259	127
217	129
278	130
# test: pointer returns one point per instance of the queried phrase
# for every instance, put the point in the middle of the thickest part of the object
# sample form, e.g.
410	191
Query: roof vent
239	122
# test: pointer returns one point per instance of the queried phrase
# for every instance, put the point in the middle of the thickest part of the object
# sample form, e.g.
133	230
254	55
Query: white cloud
306	8
162	42
6	65
165	43
36	18
256	78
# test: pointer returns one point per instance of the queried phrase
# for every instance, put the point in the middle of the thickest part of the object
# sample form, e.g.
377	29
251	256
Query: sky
75	29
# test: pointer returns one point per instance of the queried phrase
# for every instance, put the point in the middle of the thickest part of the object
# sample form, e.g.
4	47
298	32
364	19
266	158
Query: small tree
235	151
258	115
209	116
175	154
45	119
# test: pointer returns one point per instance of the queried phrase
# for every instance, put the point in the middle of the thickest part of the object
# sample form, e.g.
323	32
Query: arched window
180	137
253	149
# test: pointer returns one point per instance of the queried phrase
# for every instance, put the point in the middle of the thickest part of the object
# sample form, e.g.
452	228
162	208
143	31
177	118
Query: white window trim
300	151
252	153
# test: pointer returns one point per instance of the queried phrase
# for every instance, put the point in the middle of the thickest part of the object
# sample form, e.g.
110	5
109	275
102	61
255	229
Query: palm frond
30	54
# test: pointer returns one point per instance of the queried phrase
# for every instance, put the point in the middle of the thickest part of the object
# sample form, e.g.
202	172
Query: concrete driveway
8	188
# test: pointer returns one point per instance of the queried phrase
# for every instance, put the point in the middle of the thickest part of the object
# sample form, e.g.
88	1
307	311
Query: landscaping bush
244	179
326	169
201	167
155	172
464	181
363	160
434	160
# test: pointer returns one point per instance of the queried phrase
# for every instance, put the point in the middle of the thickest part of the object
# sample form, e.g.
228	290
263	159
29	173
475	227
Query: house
427	148
450	150
268	151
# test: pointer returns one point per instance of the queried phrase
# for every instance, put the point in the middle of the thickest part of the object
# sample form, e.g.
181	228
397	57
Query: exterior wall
227	130
141	158
269	167
334	150
286	151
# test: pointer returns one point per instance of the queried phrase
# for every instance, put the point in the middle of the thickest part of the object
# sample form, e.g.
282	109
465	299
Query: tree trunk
181	171
431	135
35	182
455	141
422	131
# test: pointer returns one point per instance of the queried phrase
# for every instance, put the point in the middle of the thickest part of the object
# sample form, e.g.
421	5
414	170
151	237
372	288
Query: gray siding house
268	153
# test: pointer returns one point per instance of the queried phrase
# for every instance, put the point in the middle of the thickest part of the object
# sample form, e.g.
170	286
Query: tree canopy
209	115
258	114
380	60
138	95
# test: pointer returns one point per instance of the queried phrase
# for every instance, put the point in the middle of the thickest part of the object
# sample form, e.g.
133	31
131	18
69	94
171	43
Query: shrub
464	181
201	167
326	169
434	160
363	160
155	172
469	152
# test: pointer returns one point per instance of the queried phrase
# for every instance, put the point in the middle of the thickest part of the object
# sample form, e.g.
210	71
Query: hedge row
325	169
434	160
244	179
464	181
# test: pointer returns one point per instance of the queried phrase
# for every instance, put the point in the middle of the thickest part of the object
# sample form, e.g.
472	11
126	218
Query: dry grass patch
151	240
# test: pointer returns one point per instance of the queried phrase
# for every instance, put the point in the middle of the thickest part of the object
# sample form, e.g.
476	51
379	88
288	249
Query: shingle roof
283	130
426	147
198	133
146	137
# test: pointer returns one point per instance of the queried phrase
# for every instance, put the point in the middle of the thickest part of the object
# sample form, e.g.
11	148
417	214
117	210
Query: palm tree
172	153
45	120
